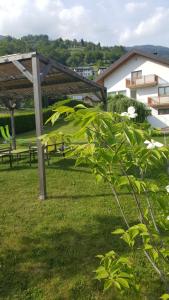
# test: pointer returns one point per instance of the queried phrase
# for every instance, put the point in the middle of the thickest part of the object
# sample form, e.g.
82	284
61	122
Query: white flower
130	113
153	144
131	110
167	189
167	218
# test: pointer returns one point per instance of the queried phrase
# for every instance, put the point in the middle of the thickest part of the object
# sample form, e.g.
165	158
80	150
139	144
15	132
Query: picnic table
30	152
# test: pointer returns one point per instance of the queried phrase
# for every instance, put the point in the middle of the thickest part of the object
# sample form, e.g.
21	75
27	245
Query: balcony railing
144	81
158	102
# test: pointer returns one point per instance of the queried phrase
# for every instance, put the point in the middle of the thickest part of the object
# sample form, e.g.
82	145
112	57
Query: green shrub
120	103
72	102
24	121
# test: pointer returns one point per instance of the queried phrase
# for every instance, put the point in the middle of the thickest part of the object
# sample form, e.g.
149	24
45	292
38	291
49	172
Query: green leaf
123	282
98	177
155	254
165	297
117	285
122	181
124	261
101	273
147	247
138	185
165	252
153	187
65	109
134	232
111	254
126	275
126	237
80	106
100	256
108	283
118	231
55	117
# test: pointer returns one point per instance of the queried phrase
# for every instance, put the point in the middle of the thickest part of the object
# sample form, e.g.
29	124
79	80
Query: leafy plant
115	271
121	152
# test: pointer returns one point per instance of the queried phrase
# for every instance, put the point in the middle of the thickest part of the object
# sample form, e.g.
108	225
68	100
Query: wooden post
39	124
13	129
104	96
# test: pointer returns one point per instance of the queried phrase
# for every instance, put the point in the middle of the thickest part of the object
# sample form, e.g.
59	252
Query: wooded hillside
72	53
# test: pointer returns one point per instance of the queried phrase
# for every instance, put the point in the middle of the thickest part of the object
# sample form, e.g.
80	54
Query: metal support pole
39	125
13	129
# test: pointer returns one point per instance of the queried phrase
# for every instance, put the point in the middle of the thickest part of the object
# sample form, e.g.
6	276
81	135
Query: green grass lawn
48	248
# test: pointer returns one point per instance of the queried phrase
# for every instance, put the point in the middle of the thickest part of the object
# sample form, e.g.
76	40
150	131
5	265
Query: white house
144	77
101	70
84	71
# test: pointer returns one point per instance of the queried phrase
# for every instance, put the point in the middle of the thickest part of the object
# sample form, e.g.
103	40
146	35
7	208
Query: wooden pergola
33	75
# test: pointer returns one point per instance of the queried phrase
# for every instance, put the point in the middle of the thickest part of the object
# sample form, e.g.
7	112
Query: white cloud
149	27
74	14
134	6
42	4
50	17
108	21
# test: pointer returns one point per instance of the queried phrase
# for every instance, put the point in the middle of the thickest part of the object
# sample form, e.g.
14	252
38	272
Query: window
136	74
112	93
122	92
163	91
163	111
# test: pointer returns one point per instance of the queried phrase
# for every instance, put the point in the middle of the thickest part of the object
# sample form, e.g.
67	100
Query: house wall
159	121
117	82
143	94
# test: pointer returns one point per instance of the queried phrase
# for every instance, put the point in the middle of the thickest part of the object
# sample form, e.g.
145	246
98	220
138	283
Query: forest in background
71	53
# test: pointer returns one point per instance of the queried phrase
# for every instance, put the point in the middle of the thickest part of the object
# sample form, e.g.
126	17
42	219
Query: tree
119	103
121	153
91	53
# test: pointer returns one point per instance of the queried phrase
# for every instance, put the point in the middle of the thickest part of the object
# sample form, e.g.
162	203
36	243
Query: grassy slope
48	248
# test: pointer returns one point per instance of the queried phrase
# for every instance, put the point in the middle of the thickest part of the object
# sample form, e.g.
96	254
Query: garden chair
51	149
5	133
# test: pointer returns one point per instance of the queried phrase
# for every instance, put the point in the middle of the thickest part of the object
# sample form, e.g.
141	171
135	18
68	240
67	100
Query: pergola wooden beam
23	70
45	71
12	57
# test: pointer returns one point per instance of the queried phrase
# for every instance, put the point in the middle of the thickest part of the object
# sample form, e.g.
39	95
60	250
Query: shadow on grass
68	165
56	163
81	196
64	253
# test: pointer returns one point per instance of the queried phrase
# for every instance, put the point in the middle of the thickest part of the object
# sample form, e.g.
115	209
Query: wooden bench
6	152
49	150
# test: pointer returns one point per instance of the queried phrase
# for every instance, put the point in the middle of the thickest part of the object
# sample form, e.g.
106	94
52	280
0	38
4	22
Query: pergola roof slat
14	83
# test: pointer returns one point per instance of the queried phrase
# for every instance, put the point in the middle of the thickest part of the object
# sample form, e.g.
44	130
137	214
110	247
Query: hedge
25	121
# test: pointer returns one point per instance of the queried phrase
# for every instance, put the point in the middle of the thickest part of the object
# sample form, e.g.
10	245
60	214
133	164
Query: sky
110	22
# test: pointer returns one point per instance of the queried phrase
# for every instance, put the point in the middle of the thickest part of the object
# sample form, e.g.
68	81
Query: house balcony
144	81
158	102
